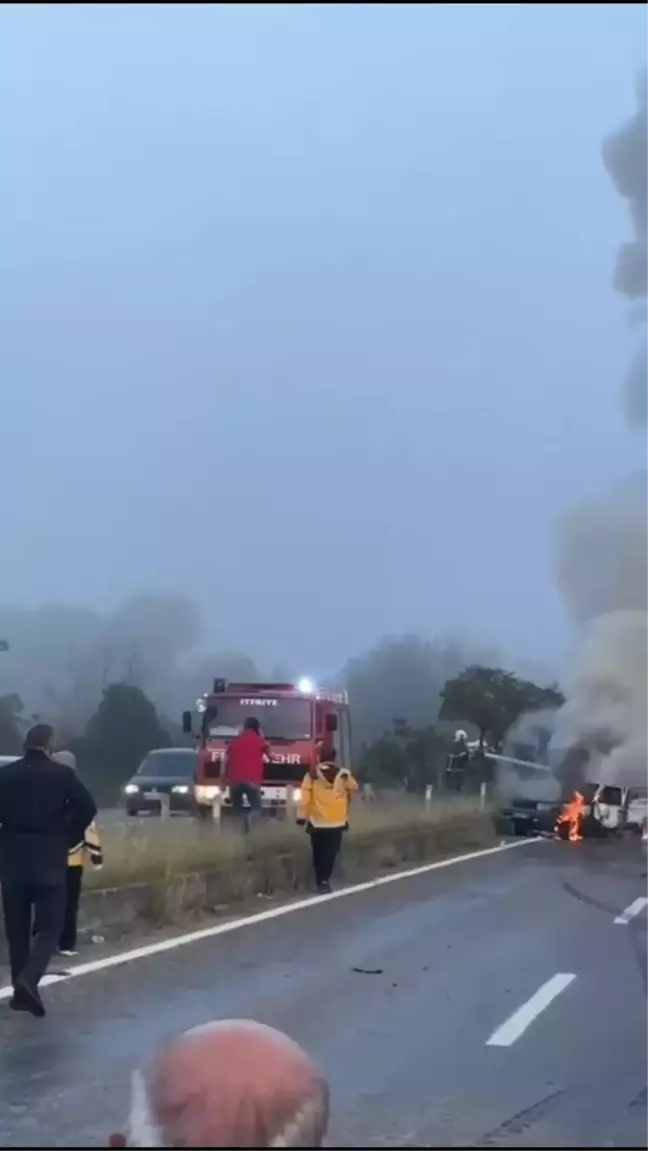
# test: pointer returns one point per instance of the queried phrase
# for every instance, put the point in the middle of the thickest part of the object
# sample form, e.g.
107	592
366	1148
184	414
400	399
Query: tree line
407	750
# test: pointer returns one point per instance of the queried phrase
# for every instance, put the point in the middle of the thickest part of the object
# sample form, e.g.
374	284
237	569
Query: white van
608	806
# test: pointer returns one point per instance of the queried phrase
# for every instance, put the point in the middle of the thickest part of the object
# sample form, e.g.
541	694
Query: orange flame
572	814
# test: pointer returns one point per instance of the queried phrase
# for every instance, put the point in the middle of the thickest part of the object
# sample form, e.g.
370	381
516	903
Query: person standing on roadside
44	810
324	808
88	850
245	768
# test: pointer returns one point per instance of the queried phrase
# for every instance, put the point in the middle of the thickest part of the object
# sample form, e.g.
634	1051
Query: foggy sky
307	312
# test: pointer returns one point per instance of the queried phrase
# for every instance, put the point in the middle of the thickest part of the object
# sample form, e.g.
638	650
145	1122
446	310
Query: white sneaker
69	954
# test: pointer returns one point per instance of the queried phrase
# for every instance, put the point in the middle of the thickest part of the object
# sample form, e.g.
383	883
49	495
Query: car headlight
207	793
180	789
131	789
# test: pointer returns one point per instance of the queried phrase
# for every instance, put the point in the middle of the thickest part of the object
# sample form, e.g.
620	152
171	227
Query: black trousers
73	881
325	844
33	918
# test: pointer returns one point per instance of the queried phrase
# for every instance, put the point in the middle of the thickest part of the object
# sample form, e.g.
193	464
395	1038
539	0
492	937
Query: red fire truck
294	718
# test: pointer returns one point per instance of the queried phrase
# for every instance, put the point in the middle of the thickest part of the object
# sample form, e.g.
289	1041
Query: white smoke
602	548
606	706
625	155
602	554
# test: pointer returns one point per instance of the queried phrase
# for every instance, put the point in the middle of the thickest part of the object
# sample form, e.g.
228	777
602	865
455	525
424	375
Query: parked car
165	775
526	817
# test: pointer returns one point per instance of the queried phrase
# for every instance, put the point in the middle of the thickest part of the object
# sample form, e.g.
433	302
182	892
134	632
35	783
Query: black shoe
324	888
27	999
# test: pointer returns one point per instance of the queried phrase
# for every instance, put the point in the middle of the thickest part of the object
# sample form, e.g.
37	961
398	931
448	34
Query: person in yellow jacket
88	850
324	808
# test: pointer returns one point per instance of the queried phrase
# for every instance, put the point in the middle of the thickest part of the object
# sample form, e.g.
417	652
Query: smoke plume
601	554
601	548
625	155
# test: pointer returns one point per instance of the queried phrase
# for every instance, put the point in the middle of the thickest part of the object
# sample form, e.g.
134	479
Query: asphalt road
454	1042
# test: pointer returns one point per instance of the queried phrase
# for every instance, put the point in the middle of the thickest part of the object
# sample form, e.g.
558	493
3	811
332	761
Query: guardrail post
217	809
429	791
165	806
290	801
482	795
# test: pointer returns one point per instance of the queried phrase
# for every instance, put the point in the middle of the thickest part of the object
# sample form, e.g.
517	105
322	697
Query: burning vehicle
599	810
569	824
532	800
528	796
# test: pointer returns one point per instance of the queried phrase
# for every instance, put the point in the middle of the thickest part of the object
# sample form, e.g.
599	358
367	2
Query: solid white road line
630	912
263	916
517	1023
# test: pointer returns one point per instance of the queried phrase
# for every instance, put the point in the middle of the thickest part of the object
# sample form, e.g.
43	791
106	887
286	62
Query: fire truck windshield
281	719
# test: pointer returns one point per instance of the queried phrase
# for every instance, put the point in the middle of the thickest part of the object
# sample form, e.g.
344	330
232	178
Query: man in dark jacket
44	810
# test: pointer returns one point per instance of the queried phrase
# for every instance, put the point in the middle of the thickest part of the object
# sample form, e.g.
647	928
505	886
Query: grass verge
160	851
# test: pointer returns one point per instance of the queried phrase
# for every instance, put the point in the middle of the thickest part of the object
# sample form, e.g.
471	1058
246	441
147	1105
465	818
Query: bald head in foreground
233	1083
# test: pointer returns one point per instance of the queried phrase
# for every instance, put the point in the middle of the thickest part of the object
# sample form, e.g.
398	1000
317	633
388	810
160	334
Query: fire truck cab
294	718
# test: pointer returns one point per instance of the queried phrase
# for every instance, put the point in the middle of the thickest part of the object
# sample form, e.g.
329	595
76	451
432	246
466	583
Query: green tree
123	729
494	699
11	740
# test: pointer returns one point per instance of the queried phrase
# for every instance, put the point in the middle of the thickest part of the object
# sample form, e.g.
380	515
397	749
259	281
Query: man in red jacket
245	767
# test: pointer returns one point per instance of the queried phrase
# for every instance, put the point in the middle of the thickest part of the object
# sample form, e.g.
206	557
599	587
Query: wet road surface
464	1035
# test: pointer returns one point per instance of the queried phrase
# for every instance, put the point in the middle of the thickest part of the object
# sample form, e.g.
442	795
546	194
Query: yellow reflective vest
325	803
88	849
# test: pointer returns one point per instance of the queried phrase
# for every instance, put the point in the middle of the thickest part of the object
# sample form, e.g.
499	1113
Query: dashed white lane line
263	916
517	1023
632	911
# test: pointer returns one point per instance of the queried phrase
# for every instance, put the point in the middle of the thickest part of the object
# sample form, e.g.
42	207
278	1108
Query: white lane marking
630	912
517	1023
263	916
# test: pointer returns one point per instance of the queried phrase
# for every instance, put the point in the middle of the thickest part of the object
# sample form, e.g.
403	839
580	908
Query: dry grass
158	850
